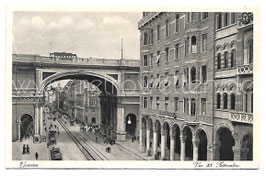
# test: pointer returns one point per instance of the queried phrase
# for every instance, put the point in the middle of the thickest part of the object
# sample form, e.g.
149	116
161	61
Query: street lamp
129	121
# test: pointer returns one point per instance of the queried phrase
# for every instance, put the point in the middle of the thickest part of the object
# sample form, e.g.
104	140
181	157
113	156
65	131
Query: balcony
241	117
244	69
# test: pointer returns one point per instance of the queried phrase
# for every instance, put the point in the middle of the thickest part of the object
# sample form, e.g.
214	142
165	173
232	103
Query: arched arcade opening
26	126
131	125
226	144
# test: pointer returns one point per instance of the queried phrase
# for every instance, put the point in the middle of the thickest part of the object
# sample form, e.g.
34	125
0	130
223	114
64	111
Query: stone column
237	153
239	101
19	134
195	148
183	147
189	76
216	150
172	147
189	106
141	148
41	119
121	134
155	141
36	125
163	144
148	134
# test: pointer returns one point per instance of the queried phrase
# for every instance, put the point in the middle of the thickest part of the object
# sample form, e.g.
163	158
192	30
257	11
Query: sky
87	34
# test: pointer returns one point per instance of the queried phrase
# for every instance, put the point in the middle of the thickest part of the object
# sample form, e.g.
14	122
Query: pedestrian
28	149
36	155
132	139
96	139
58	133
24	149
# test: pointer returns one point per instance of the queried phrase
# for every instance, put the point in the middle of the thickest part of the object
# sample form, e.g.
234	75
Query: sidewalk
41	148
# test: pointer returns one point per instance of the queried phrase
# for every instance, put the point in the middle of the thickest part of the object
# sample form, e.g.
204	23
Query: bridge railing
76	61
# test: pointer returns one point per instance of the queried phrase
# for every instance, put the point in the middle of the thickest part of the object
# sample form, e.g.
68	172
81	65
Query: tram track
88	150
129	151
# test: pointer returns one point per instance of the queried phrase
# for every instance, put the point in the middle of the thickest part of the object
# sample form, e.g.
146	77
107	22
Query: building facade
233	77
179	75
82	102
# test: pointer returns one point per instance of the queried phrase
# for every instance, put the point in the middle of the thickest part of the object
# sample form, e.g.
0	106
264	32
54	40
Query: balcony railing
241	117
191	120
245	69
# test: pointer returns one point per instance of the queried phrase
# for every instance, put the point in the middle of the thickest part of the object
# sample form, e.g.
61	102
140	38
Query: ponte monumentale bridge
116	78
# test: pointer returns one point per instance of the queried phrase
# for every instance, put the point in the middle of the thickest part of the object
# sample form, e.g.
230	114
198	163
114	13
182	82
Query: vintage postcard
168	88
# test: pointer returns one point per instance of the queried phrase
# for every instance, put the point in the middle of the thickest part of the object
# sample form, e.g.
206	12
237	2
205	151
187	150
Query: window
226	19
151	59
204	73
233	18
204	15
93	120
204	42
176	104
145	40
158	32
187	46
157	103
93	103
252	102
167	28
193	107
219	61
186	105
145	82
166	83
250	51
193	75
158	57
177	23
151	36
151	102
225	59
177	78
225	100
158	81
145	102
176	51
186	76
233	58
188	17
219	21
233	101
218	99
203	106
166	54
193	44
151	82
193	16
145	60
166	101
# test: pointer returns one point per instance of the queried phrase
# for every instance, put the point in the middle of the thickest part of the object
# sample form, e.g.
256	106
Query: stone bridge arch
103	81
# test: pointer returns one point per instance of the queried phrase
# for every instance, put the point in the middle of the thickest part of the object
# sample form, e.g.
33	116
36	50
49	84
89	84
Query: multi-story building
233	77
82	102
179	83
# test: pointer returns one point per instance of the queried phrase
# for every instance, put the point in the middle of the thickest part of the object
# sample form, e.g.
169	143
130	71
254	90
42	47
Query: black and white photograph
154	87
